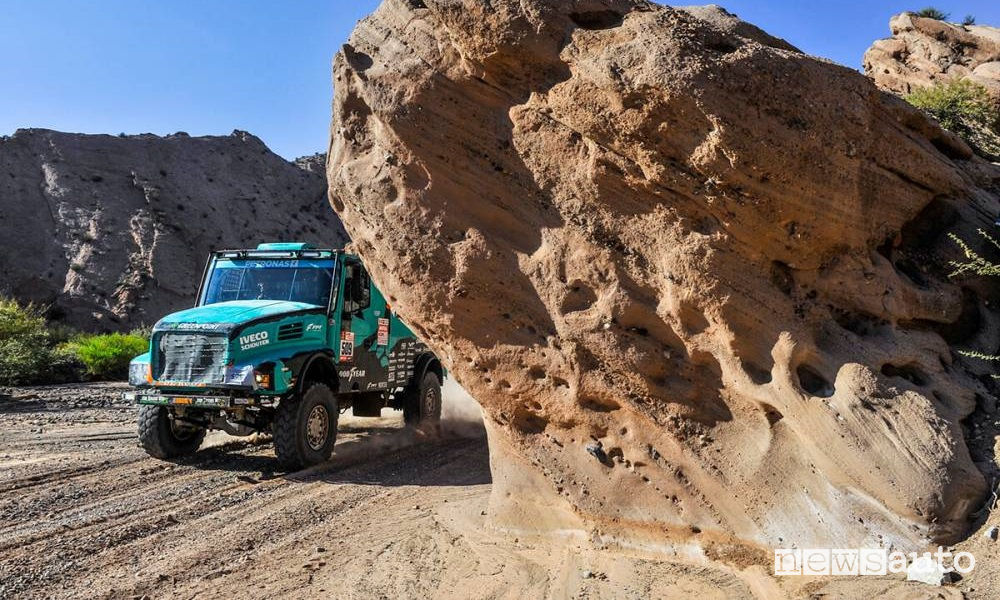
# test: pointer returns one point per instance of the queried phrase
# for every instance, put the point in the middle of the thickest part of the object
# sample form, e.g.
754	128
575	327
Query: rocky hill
112	232
695	278
924	51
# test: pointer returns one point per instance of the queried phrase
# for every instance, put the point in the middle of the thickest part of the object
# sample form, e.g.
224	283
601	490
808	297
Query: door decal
346	346
383	332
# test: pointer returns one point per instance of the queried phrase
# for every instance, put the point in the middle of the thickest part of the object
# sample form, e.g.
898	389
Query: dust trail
460	413
461	417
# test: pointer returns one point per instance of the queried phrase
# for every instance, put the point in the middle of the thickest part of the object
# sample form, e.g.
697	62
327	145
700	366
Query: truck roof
279	250
286	246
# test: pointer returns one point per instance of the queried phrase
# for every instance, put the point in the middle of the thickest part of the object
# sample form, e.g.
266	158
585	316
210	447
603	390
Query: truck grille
291	331
191	358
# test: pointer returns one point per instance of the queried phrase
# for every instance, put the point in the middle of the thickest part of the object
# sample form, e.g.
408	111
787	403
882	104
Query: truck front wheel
163	437
305	428
422	407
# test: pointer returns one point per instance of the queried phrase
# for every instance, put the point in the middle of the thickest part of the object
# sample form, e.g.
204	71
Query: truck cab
283	339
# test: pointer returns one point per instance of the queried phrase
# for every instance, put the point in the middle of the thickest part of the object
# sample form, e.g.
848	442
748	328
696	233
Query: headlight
239	375
263	376
263	380
139	374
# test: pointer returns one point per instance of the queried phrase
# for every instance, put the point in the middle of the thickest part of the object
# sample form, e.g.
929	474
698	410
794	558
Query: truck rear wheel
422	408
163	437
305	428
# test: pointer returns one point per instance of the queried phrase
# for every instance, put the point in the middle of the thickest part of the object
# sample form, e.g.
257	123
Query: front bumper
216	401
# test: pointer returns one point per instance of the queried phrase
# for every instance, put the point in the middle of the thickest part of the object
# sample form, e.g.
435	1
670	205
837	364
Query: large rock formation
922	52
692	277
112	232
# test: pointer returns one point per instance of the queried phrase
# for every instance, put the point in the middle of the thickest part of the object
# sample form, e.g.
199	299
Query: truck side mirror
361	290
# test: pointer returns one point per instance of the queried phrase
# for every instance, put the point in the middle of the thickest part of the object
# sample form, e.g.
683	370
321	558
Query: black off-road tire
422	407
297	440
162	438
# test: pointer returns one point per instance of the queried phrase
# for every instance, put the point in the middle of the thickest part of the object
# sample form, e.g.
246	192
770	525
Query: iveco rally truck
283	339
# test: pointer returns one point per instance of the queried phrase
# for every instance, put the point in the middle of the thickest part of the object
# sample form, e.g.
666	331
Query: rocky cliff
922	52
112	232
693	276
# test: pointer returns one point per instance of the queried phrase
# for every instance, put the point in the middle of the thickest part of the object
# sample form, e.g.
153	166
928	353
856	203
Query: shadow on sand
378	455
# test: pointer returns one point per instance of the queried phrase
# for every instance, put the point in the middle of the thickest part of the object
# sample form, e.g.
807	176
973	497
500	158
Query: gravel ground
84	513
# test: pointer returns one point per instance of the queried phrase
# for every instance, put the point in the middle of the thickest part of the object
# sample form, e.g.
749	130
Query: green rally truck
283	339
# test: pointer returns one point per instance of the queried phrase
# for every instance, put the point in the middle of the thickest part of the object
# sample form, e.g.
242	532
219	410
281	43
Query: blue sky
211	66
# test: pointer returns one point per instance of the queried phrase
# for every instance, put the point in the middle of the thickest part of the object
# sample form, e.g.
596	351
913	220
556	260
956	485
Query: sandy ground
84	513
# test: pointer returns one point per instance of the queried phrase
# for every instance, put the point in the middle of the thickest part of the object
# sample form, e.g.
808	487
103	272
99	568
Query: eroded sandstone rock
112	232
922	52
692	278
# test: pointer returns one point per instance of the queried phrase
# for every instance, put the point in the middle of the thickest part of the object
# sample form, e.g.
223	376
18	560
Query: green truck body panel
213	355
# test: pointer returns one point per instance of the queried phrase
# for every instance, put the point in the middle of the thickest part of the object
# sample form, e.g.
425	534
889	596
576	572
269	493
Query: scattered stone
927	570
992	533
597	451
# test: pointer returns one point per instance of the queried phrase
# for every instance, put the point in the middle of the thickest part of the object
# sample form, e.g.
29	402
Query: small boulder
927	570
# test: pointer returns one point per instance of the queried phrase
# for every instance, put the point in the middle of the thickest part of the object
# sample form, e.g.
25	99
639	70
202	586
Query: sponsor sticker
288	264
383	332
352	373
313	327
196	326
254	340
346	346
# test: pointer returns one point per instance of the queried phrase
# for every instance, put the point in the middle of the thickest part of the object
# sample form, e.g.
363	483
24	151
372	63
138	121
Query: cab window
357	288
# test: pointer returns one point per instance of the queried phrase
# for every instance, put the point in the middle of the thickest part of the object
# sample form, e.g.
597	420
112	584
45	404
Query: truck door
364	335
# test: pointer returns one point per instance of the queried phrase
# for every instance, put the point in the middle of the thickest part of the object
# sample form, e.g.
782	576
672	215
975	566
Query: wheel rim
317	427
429	399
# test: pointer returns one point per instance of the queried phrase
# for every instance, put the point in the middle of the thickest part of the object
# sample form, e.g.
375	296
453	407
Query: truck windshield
307	281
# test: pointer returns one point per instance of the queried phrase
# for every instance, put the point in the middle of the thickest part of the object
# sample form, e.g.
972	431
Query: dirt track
84	513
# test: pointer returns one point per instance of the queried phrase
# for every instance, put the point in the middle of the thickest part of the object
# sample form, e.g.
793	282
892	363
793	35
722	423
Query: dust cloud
461	415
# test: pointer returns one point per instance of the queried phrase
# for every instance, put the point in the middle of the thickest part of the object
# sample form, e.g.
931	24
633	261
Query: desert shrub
106	356
34	352
976	264
17	320
932	13
27	352
144	331
969	20
965	108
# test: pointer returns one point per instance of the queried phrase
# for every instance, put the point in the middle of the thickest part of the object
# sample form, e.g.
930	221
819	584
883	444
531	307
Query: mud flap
365	405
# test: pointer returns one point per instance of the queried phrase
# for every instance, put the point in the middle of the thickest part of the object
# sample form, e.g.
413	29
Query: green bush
106	356
932	13
965	108
27	353
33	352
